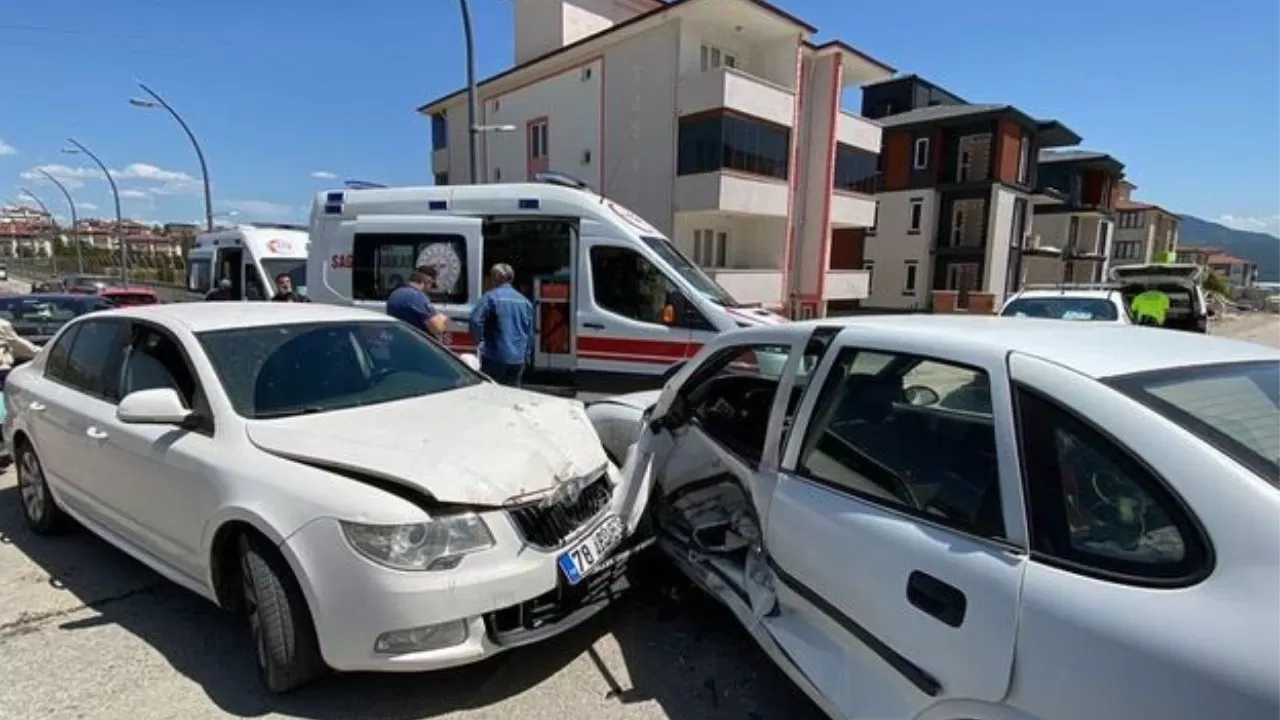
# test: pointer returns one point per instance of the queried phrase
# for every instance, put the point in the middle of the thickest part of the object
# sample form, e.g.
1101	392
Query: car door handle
936	598
593	326
96	433
37	406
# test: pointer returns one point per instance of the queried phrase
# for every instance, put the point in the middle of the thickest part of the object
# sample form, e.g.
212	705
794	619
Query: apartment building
1241	273
1144	233
718	121
1081	225
956	192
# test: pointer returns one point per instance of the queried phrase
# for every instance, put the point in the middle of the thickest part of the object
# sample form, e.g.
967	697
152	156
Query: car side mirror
921	395
158	406
668	314
470	360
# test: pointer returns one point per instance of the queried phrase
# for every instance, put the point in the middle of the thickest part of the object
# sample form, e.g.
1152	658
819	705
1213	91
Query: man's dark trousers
509	374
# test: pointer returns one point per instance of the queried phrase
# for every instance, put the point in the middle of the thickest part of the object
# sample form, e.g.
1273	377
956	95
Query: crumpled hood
482	445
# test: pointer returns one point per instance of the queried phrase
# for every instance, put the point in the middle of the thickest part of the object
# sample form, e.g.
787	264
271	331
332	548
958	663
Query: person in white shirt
13	347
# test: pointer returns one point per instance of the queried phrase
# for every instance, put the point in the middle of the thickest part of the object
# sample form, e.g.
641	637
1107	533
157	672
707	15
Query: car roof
206	316
1097	350
1066	293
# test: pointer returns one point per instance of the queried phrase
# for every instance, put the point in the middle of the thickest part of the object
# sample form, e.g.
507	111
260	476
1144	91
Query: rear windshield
1234	407
1063	308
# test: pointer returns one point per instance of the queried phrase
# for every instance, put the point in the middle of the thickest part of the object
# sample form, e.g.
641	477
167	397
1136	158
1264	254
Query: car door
47	403
163	473
895	536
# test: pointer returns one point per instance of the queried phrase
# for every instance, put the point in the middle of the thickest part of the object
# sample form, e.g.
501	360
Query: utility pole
75	223
473	127
77	149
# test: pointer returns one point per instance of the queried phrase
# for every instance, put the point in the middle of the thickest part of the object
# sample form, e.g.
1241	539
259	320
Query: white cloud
72	177
86	206
163	182
7	149
259	208
133	194
318	174
1270	225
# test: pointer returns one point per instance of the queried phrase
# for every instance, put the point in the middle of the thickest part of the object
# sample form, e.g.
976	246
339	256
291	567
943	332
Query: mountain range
1257	247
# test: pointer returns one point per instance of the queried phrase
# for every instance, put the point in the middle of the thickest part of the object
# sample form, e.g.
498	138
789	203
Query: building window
870	267
1130	250
624	283
962	277
921	158
917	216
709	248
442	178
538	140
909	284
439	131
957	225
714	58
720	140
855	169
1024	158
965	165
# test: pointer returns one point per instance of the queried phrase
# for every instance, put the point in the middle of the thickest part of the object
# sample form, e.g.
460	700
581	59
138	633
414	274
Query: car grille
549	527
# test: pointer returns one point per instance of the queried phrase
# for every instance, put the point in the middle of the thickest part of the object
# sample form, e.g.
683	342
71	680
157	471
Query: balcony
852	209
736	90
858	132
751	286
847	285
729	191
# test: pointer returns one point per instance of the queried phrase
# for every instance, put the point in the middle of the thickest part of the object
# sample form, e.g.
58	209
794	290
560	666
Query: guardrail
43	271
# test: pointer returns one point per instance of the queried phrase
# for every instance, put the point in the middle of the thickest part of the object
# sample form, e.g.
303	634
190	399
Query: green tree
1216	283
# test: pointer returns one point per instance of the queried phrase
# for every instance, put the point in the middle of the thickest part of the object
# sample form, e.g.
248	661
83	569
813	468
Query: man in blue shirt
410	303
502	324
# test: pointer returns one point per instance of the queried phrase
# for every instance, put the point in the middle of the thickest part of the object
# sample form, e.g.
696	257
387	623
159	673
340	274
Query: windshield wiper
288	412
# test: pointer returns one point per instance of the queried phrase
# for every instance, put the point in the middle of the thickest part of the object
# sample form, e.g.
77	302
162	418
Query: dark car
38	317
88	284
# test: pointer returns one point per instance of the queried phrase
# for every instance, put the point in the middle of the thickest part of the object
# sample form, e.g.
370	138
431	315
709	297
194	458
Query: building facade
715	120
1144	232
1081	226
957	187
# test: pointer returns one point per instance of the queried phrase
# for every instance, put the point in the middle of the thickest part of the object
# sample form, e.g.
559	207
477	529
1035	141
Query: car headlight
437	544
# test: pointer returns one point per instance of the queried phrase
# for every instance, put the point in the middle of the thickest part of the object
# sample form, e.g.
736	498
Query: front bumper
510	595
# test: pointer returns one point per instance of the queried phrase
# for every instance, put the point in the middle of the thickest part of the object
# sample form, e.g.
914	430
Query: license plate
586	555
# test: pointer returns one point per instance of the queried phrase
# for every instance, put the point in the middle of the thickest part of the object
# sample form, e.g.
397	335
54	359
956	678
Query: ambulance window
625	283
252	284
199	275
381	262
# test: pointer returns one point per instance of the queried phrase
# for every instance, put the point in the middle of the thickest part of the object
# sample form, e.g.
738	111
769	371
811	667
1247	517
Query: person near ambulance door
502	324
285	291
409	303
1150	307
220	293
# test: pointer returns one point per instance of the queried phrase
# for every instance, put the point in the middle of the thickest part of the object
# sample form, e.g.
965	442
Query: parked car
960	517
4	271
130	296
87	284
368	500
39	316
1094	302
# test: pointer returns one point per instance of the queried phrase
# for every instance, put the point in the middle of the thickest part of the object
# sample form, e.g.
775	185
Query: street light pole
473	128
75	223
157	101
77	148
53	255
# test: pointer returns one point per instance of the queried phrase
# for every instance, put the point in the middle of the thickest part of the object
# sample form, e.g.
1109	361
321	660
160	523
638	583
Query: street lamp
473	130
158	102
53	255
78	149
75	223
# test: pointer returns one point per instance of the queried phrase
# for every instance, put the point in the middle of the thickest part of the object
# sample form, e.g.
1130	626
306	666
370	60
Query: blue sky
1187	94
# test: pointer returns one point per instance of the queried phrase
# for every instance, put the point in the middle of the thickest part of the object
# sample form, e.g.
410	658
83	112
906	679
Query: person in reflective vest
1150	307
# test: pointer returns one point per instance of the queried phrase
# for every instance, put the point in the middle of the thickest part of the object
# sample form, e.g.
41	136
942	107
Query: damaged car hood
481	445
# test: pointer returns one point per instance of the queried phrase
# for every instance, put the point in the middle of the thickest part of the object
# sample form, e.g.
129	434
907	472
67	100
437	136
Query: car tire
280	626
39	509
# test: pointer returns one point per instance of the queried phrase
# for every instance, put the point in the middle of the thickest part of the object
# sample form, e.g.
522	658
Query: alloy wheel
31	486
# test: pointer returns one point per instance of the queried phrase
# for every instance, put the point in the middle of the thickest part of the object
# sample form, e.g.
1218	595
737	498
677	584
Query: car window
1234	407
623	282
282	370
154	360
1063	308
914	434
93	366
731	396
56	366
1094	505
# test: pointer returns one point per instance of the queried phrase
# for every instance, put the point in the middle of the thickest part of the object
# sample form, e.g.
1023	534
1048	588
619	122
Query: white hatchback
368	500
936	517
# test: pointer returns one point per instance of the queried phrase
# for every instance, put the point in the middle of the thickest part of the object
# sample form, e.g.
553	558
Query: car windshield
283	370
690	272
37	310
1063	308
297	270
1234	407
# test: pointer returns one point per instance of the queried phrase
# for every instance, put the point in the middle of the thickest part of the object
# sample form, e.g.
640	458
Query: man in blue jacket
502	324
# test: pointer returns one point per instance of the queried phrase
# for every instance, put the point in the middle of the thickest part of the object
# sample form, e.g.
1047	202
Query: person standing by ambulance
502	324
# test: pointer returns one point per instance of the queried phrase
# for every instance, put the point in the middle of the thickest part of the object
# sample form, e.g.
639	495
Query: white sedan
953	517
366	498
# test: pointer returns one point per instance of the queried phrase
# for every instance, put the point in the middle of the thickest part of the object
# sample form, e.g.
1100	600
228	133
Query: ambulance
616	305
250	256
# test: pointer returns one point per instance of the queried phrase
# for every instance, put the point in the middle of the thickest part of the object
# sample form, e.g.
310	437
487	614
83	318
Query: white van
616	304
250	256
